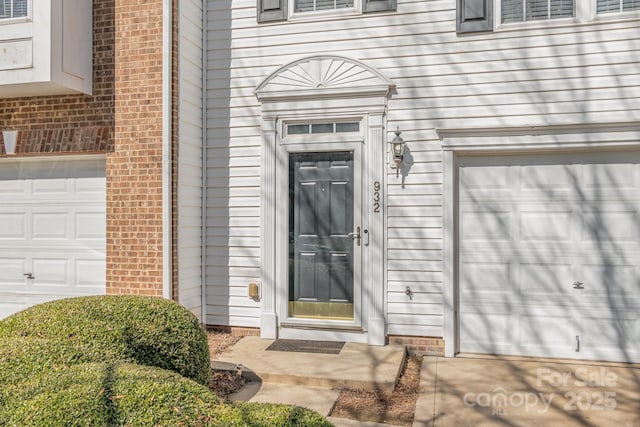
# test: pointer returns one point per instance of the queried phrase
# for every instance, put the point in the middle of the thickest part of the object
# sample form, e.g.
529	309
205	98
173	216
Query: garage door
549	255
52	230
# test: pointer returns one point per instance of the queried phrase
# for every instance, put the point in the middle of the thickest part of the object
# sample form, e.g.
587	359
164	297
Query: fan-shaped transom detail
320	76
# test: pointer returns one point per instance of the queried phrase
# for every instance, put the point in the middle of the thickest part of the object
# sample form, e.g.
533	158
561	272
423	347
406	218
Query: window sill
20	20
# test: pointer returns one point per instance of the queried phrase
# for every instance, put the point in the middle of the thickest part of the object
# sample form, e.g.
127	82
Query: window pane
348	127
19	8
512	11
304	6
534	10
630	5
343	3
322	128
311	5
324	4
561	8
605	6
298	129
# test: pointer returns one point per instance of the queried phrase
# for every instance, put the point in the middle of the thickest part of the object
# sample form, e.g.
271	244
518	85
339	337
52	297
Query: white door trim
282	228
457	142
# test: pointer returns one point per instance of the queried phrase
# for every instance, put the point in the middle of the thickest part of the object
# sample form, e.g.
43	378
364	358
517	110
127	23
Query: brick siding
431	346
134	168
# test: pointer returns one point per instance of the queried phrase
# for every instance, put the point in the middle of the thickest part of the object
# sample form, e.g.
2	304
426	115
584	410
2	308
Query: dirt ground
395	408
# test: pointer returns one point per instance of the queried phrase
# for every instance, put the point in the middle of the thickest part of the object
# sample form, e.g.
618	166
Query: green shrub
145	330
124	394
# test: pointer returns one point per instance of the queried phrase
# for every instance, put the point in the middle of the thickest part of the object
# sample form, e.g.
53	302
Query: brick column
134	168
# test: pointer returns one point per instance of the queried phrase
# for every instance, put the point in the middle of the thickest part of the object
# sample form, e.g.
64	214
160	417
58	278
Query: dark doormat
305	346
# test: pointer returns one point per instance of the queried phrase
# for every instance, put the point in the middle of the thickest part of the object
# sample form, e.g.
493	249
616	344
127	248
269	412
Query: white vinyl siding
190	156
578	73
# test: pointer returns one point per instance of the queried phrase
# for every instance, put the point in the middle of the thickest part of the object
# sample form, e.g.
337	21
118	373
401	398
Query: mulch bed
223	383
396	408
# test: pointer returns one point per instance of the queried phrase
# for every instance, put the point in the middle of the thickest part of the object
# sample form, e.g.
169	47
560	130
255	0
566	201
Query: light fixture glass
397	148
10	138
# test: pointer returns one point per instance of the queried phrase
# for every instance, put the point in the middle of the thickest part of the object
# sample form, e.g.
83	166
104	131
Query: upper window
318	5
535	10
609	6
13	9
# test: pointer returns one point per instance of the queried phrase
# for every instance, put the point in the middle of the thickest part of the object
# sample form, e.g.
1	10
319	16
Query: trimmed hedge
125	394
145	330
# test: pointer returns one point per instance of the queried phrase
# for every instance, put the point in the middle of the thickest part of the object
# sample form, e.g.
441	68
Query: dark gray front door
320	247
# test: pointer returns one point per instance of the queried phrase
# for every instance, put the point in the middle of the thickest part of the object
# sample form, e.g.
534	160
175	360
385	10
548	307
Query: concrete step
357	366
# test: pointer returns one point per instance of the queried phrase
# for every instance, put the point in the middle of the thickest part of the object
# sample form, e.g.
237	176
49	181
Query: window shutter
272	10
474	15
379	5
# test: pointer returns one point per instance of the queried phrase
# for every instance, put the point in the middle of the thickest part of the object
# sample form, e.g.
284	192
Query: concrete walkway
356	366
458	392
486	391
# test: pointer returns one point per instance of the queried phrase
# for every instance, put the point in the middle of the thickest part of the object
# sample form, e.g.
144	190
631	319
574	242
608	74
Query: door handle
355	236
29	276
577	285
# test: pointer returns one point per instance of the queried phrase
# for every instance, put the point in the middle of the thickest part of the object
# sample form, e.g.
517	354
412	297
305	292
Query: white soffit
323	77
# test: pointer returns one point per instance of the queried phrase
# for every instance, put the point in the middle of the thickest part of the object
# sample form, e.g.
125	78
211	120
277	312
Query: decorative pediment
322	77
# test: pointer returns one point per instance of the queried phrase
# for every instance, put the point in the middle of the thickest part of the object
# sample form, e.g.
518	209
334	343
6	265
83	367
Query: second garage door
52	230
549	255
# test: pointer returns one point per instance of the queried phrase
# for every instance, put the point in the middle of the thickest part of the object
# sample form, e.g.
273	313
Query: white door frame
459	142
325	87
318	144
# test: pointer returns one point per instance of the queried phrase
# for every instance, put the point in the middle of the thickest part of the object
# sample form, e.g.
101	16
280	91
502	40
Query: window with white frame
535	10
319	5
611	6
13	9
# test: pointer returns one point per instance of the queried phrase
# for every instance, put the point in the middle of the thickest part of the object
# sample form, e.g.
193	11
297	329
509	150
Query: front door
321	236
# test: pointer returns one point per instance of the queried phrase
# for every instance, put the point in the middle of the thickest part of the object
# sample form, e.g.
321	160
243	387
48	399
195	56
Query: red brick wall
134	168
70	123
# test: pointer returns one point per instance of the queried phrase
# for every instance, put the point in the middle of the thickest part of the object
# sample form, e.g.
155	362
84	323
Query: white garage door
549	255
52	230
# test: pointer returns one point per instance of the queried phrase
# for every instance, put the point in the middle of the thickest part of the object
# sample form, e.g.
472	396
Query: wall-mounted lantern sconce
10	137
397	149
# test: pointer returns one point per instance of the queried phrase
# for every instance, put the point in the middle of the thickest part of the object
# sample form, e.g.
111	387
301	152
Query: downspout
203	200
167	222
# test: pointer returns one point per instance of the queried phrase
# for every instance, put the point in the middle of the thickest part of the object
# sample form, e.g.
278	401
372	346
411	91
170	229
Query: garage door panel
11	271
548	279
610	338
13	226
90	273
611	280
486	332
50	186
89	186
611	226
545	226
548	333
90	226
50	226
485	277
486	225
556	219
543	179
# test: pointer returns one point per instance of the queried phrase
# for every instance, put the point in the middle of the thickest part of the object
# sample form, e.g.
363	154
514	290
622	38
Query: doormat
306	346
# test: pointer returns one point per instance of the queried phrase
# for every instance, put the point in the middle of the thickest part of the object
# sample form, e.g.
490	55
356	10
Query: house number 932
376	197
